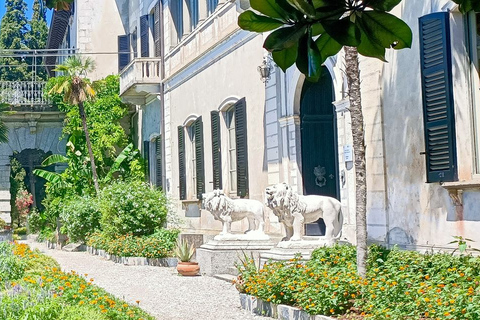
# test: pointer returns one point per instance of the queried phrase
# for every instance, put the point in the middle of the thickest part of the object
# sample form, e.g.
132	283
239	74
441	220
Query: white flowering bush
132	207
80	217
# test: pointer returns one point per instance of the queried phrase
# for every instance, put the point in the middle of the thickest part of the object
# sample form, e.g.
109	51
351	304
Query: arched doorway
319	143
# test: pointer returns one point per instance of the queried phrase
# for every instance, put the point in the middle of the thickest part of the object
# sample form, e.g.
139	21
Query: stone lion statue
228	210
294	210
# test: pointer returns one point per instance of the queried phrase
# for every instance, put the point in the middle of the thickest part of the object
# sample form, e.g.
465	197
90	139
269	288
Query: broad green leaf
385	29
53	159
251	21
343	31
292	12
309	58
369	48
327	46
118	161
304	7
331	4
317	29
51	177
285	58
284	38
269	8
467	5
383	5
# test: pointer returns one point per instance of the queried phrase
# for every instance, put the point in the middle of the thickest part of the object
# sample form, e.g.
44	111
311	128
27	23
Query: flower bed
399	284
158	245
35	288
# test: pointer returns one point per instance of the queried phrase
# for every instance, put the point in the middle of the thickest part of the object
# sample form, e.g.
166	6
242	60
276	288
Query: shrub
80	216
132	207
158	245
11	266
20	231
82	312
3	224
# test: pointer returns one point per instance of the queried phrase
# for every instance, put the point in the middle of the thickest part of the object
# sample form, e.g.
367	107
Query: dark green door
319	143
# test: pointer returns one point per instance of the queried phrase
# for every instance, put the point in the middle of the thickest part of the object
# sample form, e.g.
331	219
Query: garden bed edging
280	311
134	261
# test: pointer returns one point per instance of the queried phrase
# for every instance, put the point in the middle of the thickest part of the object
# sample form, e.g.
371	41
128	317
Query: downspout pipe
166	187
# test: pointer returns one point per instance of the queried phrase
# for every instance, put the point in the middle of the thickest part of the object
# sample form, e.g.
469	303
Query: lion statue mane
294	211
228	210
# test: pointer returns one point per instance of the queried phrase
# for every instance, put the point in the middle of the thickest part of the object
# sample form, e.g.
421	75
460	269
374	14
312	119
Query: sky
29	11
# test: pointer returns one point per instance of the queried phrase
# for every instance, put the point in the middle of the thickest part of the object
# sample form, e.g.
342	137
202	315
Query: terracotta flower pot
188	268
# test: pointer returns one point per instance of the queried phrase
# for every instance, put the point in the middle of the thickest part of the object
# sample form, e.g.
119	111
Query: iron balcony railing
23	93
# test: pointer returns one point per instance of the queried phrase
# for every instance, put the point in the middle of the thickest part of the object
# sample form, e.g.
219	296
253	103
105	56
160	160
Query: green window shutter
242	148
199	156
216	151
158	162
181	164
146	157
123	51
144	38
157	29
438	105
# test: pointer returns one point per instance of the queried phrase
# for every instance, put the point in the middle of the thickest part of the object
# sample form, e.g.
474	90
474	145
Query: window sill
456	189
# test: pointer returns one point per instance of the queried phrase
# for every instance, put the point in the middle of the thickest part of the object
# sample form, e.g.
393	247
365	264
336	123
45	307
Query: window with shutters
232	149
123	51
133	39
473	21
235	146
192	6
191	160
438	102
144	36
176	12
212	5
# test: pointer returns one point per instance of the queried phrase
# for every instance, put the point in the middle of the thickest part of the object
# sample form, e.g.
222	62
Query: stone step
225	277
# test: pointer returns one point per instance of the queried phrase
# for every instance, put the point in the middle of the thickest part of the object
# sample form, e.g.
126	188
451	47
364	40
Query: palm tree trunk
353	78
89	145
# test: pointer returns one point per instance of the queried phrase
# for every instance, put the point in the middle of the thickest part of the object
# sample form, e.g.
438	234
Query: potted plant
184	253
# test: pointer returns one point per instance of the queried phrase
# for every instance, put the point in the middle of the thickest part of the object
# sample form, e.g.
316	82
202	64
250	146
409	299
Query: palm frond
3	132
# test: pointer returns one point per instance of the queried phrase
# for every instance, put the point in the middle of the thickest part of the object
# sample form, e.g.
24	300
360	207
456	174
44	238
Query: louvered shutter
438	105
123	52
212	5
216	151
181	164
146	157
199	157
144	39
157	29
158	161
133	40
242	148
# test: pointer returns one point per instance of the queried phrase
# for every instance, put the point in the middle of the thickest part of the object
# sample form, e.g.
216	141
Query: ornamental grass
399	284
53	294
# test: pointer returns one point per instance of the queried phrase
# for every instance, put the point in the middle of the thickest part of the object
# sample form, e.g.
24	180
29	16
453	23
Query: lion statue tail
339	225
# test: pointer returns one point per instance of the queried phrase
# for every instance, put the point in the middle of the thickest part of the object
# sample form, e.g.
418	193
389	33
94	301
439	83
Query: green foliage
58	4
38	263
158	245
132	207
468	5
82	312
17	183
80	216
366	25
184	251
399	285
11	267
3	224
20	231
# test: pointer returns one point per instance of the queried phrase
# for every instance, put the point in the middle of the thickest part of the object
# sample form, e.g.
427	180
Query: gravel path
161	291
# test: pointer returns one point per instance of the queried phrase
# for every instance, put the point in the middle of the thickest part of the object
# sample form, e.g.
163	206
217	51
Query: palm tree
75	92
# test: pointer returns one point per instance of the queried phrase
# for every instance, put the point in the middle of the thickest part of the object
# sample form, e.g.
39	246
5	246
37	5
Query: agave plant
184	251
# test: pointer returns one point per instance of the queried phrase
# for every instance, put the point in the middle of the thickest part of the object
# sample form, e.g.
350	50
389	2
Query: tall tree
36	38
307	32
77	91
12	30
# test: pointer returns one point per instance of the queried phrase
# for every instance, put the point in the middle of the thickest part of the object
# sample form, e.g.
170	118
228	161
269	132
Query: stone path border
280	311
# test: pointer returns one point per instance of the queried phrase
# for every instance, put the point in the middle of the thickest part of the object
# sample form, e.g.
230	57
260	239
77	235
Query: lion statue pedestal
219	255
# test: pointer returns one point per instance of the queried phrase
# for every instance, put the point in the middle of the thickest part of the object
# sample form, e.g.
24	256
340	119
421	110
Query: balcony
140	80
24	95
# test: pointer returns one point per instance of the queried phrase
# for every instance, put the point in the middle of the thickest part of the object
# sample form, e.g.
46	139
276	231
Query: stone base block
5	235
283	254
219	257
